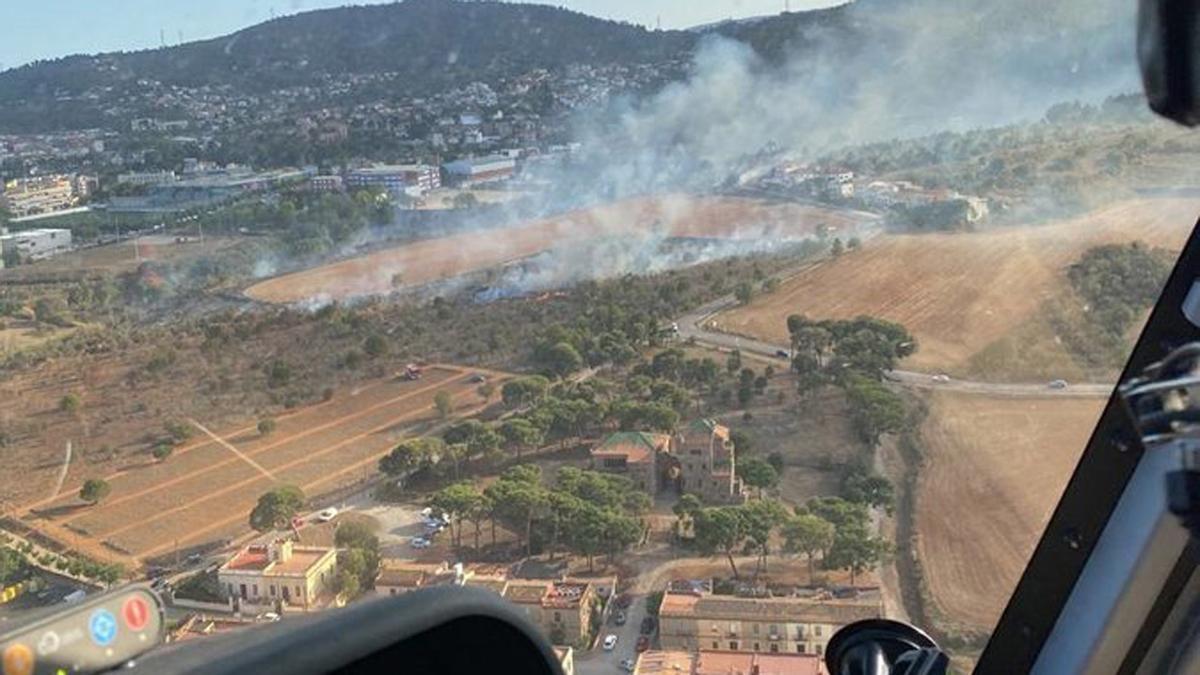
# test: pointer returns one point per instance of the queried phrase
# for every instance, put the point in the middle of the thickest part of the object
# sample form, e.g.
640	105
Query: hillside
976	302
487	40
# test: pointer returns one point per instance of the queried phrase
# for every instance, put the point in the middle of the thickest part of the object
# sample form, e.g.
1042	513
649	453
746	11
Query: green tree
808	534
719	530
459	500
860	484
276	508
836	248
685	509
560	359
69	403
760	520
757	473
874	409
744	292
162	451
360	552
855	549
12	566
524	391
375	346
94	490
266	426
443	404
733	362
520	434
410	456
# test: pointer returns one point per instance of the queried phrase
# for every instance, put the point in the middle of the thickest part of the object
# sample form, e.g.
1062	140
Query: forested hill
487	40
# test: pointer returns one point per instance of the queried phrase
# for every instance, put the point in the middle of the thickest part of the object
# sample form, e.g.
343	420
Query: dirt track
434	259
204	491
958	293
994	470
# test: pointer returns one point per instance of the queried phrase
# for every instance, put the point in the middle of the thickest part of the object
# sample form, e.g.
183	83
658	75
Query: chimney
280	550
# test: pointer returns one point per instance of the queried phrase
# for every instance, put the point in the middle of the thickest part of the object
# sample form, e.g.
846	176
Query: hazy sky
36	29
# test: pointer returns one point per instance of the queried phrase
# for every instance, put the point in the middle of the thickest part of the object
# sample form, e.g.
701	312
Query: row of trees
584	512
835	530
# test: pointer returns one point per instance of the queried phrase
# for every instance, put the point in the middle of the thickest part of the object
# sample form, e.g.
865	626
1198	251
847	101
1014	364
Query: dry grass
204	491
994	470
960	293
441	258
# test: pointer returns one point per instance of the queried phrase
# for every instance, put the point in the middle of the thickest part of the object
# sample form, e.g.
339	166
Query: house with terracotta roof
699	459
710	662
280	573
773	625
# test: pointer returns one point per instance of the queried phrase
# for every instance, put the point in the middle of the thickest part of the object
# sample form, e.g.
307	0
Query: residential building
280	573
147	178
561	608
706	462
742	663
699	459
35	244
41	194
396	178
480	170
785	625
634	454
666	662
709	662
326	183
566	659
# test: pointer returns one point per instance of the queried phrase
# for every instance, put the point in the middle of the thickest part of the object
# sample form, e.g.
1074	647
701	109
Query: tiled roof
634	446
761	609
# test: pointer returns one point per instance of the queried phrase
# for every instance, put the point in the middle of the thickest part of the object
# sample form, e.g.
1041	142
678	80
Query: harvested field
445	257
994	470
958	293
204	491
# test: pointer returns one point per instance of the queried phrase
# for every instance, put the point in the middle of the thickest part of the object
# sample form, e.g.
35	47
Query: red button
136	613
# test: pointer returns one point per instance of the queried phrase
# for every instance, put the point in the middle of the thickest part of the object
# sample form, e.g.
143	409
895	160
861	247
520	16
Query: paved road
600	662
695	325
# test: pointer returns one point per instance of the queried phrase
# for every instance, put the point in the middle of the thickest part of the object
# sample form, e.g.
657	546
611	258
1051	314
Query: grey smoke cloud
915	67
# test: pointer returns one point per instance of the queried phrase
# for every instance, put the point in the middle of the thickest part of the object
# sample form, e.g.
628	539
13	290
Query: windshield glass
655	318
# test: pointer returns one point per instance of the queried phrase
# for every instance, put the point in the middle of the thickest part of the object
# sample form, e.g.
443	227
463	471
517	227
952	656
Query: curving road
693	326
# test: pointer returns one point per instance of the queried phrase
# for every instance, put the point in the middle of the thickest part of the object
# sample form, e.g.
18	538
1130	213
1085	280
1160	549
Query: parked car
643	643
1058	384
624	600
478	378
941	378
619	618
610	642
418	542
327	515
781	353
648	625
628	665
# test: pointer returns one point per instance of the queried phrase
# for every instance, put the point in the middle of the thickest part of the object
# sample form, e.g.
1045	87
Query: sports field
205	490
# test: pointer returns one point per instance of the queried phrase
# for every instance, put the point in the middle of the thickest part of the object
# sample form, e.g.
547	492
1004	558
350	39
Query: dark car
781	353
619	618
648	625
643	643
624	600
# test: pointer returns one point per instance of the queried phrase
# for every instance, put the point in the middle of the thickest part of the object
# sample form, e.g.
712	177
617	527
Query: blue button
103	627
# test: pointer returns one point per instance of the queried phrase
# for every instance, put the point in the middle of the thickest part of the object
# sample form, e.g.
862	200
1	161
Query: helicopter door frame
1073	556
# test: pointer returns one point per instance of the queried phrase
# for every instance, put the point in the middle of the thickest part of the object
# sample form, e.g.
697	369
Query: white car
327	515
1058	384
418	542
941	378
610	643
